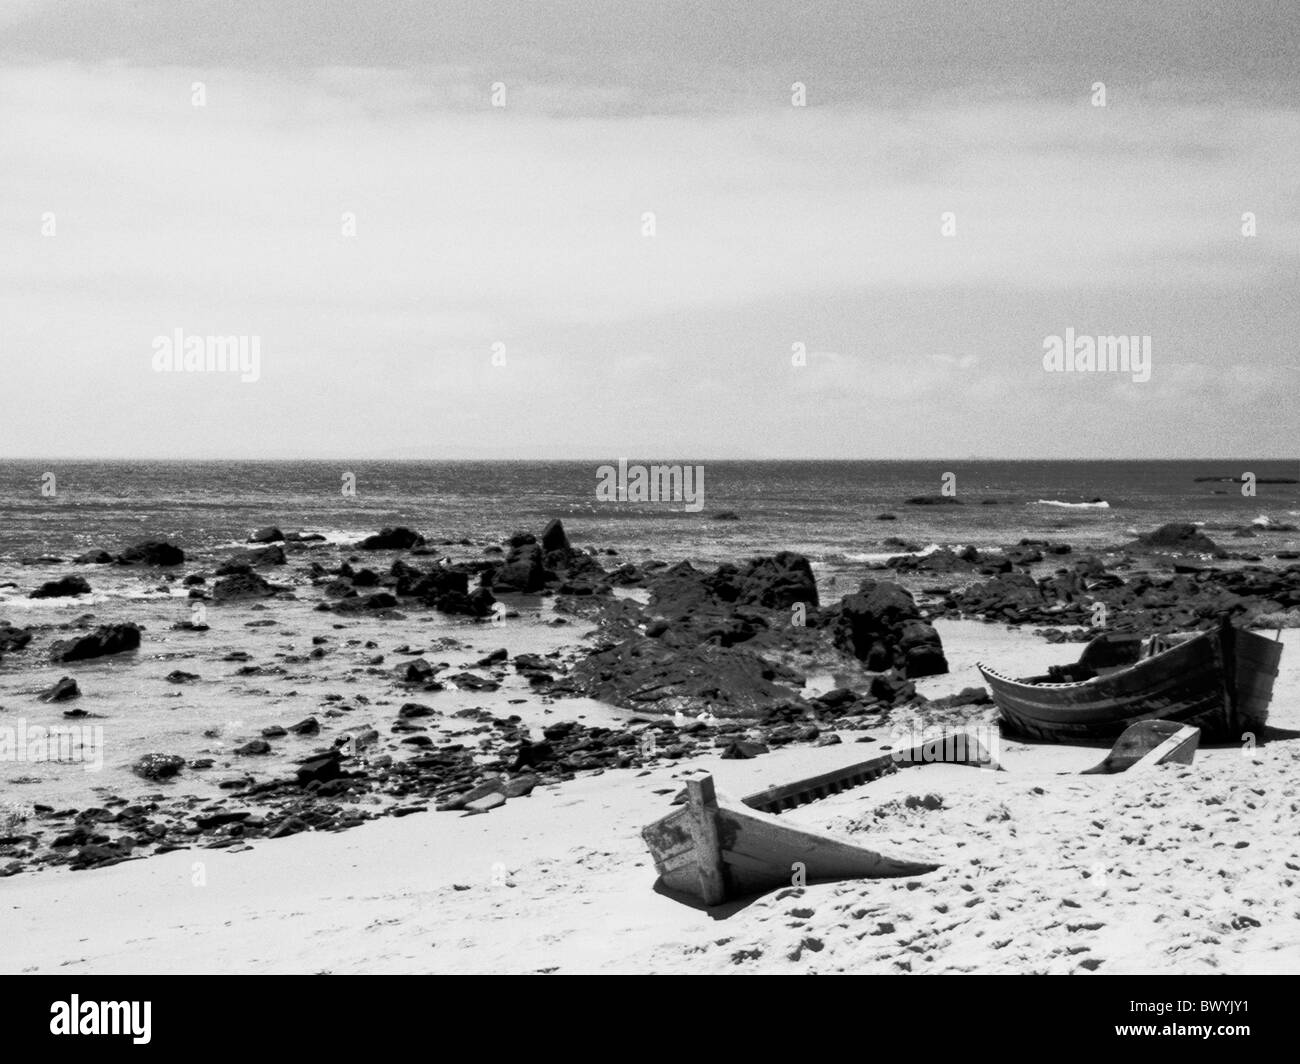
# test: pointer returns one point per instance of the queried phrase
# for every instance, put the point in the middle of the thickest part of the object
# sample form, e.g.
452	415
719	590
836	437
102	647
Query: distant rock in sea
269	534
399	538
63	691
1180	537
152	552
108	639
68	585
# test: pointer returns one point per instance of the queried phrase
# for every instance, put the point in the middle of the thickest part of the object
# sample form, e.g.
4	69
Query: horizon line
605	459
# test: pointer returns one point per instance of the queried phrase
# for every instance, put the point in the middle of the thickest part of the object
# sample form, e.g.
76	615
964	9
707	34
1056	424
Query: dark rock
158	766
1181	537
108	639
532	754
152	552
417	671
68	585
939	561
392	539
93	557
890	688
290	825
12	638
440	580
241	585
209	821
725	515
320	769
934	500
310	726
269	534
647	674
967	696
495	658
882	627
380	600
522	571
467	681
554	537
253	748
180	676
777	582
99	855
63	691
478	603
743	750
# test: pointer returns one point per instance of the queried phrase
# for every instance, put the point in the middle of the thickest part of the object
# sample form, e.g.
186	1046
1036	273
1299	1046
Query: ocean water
826	510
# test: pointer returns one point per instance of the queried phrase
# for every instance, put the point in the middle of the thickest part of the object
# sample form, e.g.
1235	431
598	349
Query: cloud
523	225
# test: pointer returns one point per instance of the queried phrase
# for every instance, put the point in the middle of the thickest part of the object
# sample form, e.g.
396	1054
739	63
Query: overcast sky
522	226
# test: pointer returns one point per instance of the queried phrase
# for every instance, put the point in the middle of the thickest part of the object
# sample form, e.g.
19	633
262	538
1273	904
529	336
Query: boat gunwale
1130	669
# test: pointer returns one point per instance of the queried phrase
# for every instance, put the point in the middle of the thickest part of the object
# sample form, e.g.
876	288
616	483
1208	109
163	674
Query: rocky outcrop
478	603
690	648
771	583
1193	596
642	673
430	586
554	537
522	571
883	628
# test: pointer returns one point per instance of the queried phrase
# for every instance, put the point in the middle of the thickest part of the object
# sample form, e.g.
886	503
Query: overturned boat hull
1220	681
1149	743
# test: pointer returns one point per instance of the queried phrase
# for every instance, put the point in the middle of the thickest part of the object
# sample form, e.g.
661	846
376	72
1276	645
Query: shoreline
565	779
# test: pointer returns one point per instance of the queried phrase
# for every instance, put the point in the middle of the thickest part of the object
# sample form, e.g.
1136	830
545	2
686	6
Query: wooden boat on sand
713	849
1220	681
